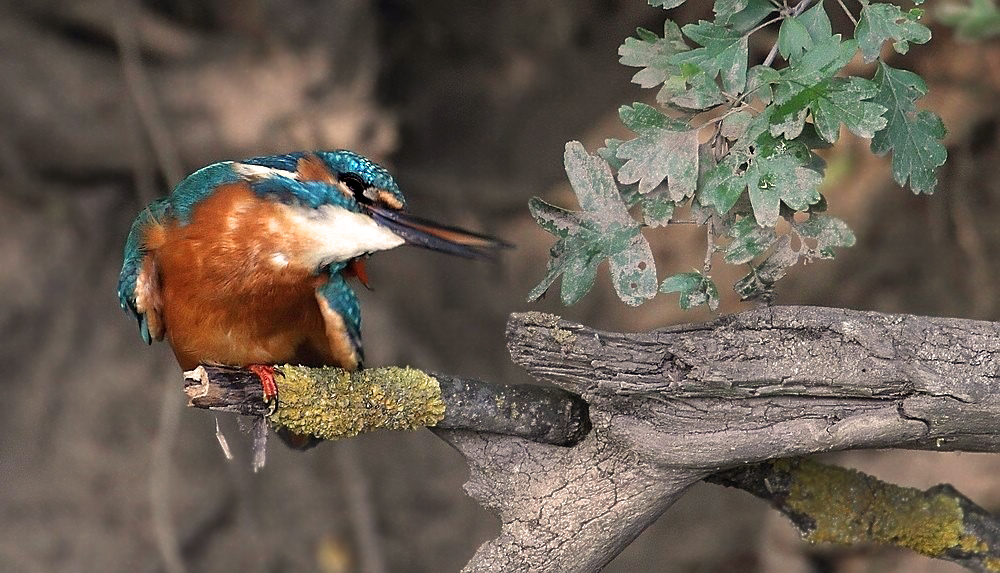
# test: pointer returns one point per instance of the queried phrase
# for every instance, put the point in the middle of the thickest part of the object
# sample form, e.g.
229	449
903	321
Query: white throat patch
334	234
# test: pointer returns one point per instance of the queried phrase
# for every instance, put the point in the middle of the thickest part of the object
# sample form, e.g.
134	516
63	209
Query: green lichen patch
332	403
850	507
563	337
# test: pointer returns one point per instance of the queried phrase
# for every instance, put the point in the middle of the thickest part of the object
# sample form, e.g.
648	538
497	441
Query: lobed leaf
742	15
827	231
749	240
912	136
832	102
882	21
652	53
772	171
695	290
793	38
817	23
723	53
822	62
602	230
664	149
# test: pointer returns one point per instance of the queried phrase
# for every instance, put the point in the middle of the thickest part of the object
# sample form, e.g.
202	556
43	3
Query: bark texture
674	405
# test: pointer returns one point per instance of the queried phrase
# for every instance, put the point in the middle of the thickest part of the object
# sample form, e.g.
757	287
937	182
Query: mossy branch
830	504
332	403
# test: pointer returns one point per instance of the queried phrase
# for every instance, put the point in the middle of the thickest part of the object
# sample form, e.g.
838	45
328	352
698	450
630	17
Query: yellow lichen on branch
849	507
332	403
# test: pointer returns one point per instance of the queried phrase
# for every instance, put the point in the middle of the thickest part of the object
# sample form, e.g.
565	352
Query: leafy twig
760	168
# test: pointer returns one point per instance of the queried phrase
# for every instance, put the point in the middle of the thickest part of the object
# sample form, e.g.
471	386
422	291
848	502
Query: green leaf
845	102
652	53
723	53
602	230
793	38
693	89
816	22
912	136
773	172
725	183
760	280
734	125
880	22
759	81
665	148
742	15
831	102
827	231
657	208
726	9
822	62
749	241
695	289
666	4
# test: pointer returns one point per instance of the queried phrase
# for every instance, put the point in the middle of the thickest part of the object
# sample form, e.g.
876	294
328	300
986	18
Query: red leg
266	374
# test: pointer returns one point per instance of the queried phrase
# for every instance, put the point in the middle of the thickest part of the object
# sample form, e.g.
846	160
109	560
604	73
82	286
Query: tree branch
829	504
673	406
718	400
331	403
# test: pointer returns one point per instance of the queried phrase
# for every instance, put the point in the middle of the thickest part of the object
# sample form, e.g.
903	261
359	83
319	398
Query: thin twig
360	507
798	10
710	248
143	96
848	12
159	478
764	25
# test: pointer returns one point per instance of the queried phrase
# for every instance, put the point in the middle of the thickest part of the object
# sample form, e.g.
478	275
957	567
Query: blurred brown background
103	105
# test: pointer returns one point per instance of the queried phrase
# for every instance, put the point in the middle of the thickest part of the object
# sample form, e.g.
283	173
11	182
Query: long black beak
437	237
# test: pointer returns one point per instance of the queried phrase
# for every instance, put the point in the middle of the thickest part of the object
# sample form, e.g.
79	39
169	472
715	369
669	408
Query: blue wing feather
344	302
135	254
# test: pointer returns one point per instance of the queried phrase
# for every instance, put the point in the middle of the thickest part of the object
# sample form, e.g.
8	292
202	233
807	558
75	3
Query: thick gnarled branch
720	401
676	405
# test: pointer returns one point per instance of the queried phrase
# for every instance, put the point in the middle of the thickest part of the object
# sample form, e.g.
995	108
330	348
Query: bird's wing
138	283
342	318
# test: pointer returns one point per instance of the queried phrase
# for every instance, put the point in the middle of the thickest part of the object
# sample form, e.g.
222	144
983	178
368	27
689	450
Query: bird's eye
356	185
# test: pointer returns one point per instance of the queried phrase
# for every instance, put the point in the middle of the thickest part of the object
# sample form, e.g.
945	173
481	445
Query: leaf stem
710	249
765	25
799	9
848	12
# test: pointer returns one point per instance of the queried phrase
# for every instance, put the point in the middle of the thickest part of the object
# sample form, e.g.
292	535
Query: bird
247	263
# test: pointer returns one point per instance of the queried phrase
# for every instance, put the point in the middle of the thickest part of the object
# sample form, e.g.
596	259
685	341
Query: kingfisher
246	263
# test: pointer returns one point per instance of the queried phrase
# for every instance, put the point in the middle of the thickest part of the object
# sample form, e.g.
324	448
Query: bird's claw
266	374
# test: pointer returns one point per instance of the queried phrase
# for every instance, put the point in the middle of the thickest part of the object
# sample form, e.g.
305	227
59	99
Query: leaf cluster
733	147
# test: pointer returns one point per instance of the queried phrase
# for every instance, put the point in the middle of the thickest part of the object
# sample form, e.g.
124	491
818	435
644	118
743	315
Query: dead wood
672	406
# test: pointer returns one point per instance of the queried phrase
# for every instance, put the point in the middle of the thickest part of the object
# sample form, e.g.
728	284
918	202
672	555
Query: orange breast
231	291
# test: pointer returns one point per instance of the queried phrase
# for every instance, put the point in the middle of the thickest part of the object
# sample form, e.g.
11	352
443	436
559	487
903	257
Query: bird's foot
266	374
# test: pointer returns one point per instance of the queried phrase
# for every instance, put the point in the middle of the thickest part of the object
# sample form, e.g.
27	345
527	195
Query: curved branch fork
672	406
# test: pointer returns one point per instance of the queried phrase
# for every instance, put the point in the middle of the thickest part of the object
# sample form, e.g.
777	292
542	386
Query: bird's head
361	179
330	182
